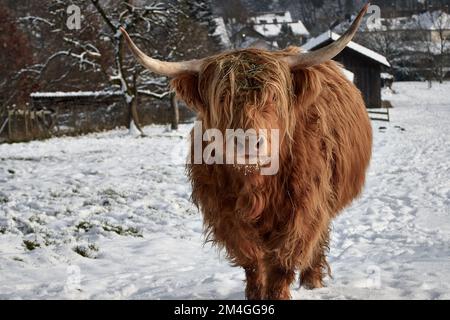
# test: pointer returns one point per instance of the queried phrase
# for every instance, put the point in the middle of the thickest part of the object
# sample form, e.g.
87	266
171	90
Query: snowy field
108	216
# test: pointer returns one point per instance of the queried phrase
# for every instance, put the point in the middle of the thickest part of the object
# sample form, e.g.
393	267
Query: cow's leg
251	261
255	278
312	276
244	250
279	280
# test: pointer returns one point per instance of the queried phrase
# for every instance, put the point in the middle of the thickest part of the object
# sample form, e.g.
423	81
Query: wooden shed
365	64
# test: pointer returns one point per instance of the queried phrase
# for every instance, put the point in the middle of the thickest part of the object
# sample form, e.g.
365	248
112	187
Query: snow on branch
34	19
39	69
154	94
90	49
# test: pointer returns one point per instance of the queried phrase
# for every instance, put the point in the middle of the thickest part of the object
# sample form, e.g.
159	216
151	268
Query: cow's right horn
309	59
169	69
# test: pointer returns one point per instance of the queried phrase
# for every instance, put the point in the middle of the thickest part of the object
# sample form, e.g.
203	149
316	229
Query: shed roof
74	94
329	35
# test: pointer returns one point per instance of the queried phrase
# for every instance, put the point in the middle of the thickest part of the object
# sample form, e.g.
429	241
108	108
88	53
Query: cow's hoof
311	284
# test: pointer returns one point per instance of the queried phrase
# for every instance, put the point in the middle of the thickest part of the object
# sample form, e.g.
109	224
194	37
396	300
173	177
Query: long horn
324	54
169	69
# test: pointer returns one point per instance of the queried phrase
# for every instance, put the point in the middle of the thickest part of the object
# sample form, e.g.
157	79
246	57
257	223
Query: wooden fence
381	114
57	115
33	125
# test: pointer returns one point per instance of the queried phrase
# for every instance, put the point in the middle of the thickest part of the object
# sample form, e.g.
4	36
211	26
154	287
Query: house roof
269	17
272	29
263	44
221	32
270	24
329	35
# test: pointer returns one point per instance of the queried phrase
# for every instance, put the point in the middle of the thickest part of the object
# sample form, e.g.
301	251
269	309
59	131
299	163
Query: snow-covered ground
108	216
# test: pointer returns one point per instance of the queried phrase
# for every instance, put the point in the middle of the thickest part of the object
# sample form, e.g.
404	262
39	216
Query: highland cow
275	225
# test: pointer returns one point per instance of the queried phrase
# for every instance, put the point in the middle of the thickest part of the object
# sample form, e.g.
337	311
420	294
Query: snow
133	130
298	28
272	30
123	202
385	75
270	24
221	32
60	94
280	17
348	74
314	42
435	20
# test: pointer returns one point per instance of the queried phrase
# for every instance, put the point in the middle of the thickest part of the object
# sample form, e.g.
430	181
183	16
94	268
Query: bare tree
192	32
386	40
15	54
234	10
95	56
81	59
127	74
66	59
435	30
287	37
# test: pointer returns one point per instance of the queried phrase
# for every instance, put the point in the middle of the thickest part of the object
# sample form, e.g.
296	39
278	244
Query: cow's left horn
169	69
324	54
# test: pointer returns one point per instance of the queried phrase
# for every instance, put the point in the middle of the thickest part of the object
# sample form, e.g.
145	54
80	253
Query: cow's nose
261	143
250	145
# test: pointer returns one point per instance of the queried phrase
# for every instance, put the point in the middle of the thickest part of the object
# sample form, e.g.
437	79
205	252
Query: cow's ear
307	85
186	88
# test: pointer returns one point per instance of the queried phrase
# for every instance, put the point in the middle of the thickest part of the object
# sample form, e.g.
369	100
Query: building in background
273	25
274	30
365	64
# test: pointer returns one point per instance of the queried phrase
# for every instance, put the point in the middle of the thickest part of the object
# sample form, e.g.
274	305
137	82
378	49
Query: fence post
25	118
9	126
74	120
175	111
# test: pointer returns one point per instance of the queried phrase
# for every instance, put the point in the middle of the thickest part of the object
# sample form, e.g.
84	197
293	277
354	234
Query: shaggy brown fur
273	226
